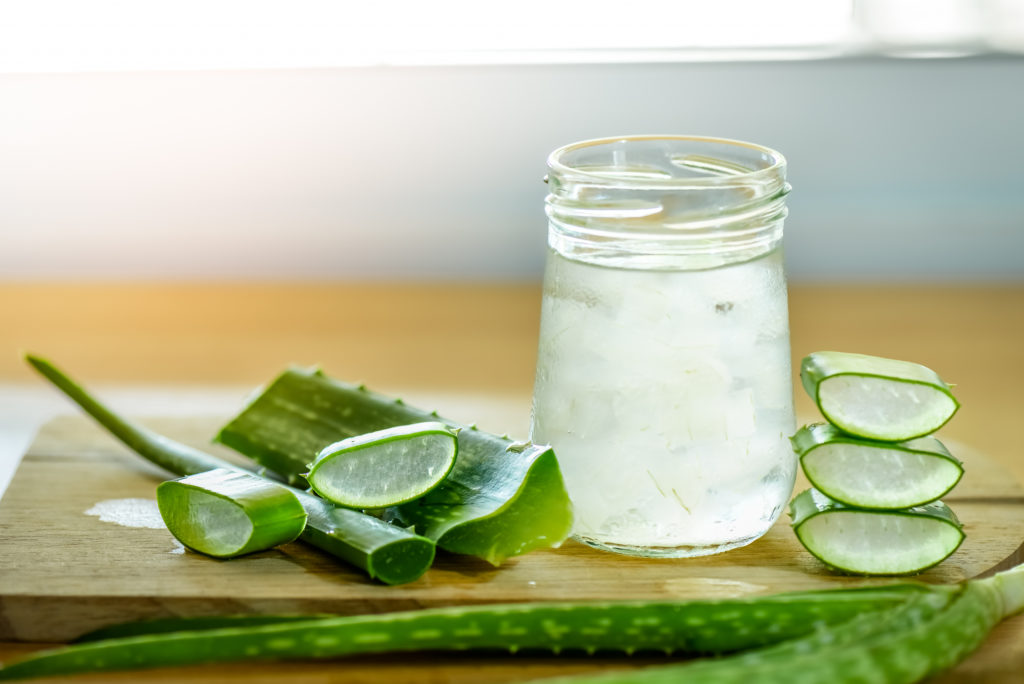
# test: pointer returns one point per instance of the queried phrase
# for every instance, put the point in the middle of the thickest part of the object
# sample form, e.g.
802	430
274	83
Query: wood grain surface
63	572
472	347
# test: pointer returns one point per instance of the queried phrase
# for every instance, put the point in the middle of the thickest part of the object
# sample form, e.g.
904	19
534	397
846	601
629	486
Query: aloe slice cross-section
226	513
872	474
874	542
385	468
877	398
501	499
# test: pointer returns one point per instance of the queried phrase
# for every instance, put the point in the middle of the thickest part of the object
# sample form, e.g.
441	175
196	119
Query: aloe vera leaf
190	624
501	499
695	627
386	552
854	651
385	468
904	644
872	474
875	542
226	513
875	397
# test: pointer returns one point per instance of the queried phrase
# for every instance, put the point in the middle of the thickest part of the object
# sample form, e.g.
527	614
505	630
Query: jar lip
776	167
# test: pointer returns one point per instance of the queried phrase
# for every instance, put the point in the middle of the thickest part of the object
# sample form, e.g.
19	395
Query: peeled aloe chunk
877	398
501	499
385	468
871	474
226	513
872	542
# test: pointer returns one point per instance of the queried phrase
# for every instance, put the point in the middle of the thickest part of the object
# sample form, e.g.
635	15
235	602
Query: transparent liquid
668	398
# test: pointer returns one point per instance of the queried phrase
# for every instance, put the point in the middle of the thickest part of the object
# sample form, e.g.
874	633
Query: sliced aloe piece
872	542
387	467
501	499
877	398
227	513
871	474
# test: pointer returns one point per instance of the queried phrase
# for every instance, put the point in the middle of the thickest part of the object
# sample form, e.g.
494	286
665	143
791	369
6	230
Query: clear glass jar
663	374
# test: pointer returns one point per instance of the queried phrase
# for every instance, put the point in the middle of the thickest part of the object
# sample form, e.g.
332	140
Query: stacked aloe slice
877	472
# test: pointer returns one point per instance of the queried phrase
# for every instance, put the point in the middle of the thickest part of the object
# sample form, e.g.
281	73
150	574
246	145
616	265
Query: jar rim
776	163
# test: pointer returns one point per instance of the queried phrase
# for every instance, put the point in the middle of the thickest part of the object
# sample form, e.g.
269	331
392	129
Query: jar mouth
729	163
674	199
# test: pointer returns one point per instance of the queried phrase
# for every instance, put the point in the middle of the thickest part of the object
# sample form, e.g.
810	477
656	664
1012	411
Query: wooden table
481	339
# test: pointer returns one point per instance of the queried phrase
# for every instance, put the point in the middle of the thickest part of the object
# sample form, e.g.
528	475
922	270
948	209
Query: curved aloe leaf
386	552
501	499
692	627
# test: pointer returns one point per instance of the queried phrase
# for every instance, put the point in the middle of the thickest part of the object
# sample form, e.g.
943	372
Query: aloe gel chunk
877	398
872	474
226	513
863	541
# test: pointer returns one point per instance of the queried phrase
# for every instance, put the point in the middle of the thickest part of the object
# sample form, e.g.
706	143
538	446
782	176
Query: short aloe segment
385	468
501	499
872	474
688	627
386	552
874	542
877	398
226	513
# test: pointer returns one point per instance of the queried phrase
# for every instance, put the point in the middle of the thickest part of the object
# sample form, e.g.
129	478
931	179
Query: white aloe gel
663	380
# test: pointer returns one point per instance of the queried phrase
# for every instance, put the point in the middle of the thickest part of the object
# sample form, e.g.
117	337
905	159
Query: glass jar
663	374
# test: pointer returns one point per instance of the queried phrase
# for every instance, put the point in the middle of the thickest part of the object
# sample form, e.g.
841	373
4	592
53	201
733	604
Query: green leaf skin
501	499
908	643
811	503
386	552
692	627
821	367
810	438
198	510
857	651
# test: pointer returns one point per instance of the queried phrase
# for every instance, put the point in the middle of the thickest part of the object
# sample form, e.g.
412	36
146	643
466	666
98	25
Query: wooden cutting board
63	572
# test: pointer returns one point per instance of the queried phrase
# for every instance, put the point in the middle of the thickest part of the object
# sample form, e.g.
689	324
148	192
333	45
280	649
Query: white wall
901	169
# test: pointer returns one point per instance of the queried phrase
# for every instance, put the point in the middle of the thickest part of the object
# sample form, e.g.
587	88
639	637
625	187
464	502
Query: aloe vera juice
667	395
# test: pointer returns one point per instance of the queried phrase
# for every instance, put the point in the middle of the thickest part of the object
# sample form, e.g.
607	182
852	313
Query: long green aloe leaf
901	645
690	627
387	552
501	499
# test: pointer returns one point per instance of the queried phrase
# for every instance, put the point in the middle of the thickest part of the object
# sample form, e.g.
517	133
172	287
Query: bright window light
103	35
128	35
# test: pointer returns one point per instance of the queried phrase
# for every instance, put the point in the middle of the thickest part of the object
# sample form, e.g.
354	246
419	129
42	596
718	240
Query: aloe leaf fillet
385	468
226	513
877	398
872	474
386	552
691	627
875	542
501	499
